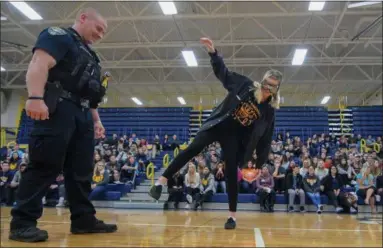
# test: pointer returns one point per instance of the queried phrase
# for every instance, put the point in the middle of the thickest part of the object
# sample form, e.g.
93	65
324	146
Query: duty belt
76	99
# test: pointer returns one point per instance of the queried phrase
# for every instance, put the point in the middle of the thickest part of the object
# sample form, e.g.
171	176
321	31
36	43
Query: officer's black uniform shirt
56	42
60	44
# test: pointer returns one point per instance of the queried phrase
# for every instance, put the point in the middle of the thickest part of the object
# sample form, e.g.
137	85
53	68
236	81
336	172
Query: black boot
29	234
155	192
230	224
98	226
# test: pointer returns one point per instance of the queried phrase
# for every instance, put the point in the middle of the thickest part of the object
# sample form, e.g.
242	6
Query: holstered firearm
52	94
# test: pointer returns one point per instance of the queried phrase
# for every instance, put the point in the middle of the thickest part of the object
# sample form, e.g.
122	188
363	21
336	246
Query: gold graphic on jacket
12	166
97	178
204	181
246	113
311	181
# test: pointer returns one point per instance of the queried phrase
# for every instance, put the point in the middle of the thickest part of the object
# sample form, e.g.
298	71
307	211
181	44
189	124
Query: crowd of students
321	165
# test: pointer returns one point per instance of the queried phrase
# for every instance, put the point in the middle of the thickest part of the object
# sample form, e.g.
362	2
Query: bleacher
148	122
368	120
145	122
114	192
301	121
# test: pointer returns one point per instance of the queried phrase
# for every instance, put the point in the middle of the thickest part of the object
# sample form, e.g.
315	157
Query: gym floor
157	228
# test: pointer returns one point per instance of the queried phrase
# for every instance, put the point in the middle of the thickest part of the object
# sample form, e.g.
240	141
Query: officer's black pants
63	142
228	134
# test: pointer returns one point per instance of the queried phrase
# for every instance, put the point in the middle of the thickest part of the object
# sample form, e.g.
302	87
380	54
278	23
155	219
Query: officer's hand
36	109
99	130
208	44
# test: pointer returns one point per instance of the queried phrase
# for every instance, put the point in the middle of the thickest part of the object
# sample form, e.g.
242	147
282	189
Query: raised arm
219	67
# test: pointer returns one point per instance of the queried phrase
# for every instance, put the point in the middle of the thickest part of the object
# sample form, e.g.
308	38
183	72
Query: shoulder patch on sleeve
56	31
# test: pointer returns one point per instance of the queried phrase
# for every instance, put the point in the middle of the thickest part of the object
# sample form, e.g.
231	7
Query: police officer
64	88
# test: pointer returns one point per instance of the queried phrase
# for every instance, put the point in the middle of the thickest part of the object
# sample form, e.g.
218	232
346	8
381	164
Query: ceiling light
316	6
360	4
137	101
299	56
3	18
189	58
2	69
325	100
168	8
181	100
24	8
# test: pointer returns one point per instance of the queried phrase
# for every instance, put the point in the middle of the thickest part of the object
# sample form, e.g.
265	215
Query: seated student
379	188
13	186
344	171
129	170
294	187
99	181
311	186
249	178
62	192
321	171
279	175
6	177
219	177
207	188
332	185
14	161
192	183
175	190
365	188
265	190
52	195
114	177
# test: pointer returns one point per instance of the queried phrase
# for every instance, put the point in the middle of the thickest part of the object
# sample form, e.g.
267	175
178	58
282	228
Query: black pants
345	179
175	195
201	198
193	192
266	199
339	200
228	134
279	184
63	142
11	193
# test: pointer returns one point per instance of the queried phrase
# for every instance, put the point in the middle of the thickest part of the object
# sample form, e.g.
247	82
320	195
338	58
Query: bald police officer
64	89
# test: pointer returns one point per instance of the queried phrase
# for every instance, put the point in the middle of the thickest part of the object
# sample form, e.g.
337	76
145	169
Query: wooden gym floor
156	228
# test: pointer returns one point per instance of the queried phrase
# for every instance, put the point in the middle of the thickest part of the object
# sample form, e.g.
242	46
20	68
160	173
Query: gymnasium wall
12	103
376	99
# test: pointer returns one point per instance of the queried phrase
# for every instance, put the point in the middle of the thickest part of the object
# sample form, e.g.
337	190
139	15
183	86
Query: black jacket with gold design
240	89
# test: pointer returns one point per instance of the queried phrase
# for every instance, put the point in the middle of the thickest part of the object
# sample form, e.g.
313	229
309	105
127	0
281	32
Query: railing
150	172
344	128
165	161
364	148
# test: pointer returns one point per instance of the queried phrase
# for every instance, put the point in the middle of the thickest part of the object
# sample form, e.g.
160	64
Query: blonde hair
192	176
96	171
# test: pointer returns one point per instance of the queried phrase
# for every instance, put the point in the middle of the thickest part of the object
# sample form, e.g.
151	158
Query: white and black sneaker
320	209
230	223
189	199
339	210
155	191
